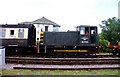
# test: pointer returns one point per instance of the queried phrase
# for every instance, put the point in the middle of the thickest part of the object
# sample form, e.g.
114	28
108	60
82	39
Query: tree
110	29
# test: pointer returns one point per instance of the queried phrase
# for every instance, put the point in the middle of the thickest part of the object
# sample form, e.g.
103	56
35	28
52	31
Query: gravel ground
10	66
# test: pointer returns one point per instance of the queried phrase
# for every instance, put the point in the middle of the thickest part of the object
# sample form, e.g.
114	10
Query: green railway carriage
17	38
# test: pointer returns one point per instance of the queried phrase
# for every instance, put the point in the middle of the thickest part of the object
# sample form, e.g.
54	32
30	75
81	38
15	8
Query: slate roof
15	25
26	22
46	21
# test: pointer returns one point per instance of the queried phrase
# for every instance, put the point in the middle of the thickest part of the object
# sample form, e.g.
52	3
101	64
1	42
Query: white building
44	24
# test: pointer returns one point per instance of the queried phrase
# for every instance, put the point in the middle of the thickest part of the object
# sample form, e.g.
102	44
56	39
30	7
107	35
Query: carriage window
11	32
21	33
2	32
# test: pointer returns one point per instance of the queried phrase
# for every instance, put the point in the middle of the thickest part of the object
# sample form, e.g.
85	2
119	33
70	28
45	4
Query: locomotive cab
88	38
88	35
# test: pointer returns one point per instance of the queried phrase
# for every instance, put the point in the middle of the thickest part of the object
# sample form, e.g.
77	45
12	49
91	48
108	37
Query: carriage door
93	35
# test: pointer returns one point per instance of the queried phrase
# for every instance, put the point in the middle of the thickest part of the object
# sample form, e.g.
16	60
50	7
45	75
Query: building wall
40	27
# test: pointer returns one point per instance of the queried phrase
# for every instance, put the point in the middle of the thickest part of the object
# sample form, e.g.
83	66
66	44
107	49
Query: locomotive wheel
119	53
114	52
10	51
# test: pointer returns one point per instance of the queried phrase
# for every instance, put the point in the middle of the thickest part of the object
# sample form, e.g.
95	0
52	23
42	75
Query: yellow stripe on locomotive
71	50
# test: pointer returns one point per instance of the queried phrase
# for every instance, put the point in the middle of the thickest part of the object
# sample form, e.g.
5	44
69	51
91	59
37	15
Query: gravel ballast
10	66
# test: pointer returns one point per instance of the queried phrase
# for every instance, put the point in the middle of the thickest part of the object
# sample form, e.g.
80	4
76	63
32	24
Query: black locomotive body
18	37
84	40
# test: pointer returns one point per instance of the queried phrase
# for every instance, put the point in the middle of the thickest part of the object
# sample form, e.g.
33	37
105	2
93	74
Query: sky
67	13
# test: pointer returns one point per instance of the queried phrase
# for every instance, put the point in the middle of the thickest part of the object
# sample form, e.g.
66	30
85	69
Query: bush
103	43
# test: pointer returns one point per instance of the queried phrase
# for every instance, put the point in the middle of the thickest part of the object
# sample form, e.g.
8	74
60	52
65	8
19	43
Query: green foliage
110	32
110	29
103	43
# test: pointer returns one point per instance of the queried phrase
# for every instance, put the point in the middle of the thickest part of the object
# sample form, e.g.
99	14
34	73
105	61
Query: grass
60	72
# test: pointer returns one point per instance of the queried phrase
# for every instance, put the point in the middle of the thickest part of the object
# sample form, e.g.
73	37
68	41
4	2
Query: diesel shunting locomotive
84	40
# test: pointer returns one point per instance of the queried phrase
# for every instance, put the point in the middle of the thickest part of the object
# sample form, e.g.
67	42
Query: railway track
65	56
96	67
61	67
62	61
31	63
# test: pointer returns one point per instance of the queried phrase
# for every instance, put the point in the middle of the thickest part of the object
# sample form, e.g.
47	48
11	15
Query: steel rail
97	68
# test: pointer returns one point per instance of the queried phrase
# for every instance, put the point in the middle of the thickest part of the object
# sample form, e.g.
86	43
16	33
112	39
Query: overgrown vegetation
110	32
103	43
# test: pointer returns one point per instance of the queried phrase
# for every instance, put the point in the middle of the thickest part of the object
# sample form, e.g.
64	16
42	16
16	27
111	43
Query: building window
46	28
38	32
11	32
38	25
55	29
21	33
